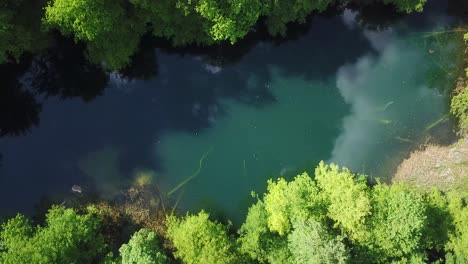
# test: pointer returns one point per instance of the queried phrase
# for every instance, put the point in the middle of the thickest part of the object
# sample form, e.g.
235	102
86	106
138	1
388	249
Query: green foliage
143	248
258	242
67	237
334	218
457	247
322	218
229	19
286	203
281	12
310	242
19	29
174	20
459	103
111	30
407	6
439	221
347	198
199	240
397	223
459	108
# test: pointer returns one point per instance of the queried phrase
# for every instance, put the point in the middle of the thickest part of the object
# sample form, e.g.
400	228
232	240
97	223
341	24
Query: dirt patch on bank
445	167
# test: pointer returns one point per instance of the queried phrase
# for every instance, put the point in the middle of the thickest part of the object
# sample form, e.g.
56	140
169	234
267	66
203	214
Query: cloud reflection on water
385	92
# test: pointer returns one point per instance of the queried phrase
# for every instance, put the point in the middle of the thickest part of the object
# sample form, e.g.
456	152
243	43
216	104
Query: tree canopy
335	217
197	239
66	237
143	248
111	30
20	30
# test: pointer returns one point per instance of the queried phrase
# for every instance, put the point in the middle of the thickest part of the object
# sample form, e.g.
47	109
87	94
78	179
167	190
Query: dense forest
332	216
111	30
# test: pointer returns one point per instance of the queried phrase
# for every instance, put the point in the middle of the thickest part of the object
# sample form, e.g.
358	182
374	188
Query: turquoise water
211	128
366	116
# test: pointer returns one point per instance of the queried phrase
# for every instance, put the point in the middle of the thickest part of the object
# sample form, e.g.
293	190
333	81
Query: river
344	88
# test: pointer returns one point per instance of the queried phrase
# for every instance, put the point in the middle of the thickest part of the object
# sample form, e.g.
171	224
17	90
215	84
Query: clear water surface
337	91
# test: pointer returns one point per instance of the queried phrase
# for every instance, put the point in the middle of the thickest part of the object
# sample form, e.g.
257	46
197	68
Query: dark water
354	89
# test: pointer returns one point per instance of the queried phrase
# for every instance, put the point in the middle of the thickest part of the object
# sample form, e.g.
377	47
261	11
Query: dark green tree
20	29
281	12
67	237
457	247
397	223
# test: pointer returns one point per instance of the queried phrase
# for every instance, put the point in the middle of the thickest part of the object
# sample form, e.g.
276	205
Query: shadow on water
144	63
458	9
65	72
19	108
369	14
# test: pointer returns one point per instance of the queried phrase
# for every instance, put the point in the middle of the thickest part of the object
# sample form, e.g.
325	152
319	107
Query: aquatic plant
436	122
144	177
195	174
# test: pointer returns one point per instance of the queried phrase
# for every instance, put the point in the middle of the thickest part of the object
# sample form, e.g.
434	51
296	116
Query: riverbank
439	166
444	167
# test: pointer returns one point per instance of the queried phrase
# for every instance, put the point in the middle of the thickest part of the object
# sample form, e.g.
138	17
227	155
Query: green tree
110	29
143	248
229	19
286	203
20	29
67	237
439	221
407	6
310	242
199	240
397	223
281	12
459	108
174	20
347	199
457	247
200	21
258	242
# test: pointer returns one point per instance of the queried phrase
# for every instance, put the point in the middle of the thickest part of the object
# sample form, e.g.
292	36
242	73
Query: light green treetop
347	198
310	243
199	240
143	248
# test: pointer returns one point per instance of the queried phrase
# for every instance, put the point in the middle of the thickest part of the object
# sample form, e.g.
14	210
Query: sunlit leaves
407	6
199	240
310	242
143	248
258	242
111	31
398	221
459	108
67	237
347	198
458	244
287	203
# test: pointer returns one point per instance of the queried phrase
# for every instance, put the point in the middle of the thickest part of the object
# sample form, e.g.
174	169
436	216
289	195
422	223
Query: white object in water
76	189
213	69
